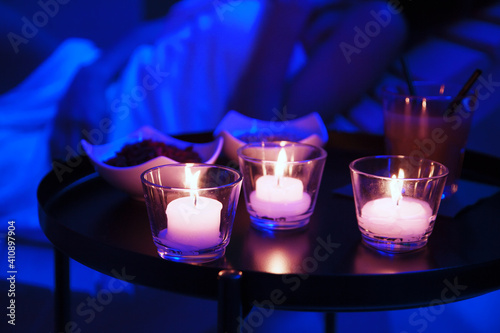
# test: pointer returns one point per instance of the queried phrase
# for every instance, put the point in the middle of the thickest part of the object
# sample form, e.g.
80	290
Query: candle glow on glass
397	216
278	196
194	221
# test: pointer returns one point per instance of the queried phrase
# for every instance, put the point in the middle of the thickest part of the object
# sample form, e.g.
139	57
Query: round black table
324	267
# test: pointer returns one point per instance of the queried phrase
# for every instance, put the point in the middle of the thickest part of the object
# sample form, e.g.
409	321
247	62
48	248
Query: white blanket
26	114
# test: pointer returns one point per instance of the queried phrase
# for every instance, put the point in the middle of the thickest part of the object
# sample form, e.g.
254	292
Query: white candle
396	216
278	196
194	221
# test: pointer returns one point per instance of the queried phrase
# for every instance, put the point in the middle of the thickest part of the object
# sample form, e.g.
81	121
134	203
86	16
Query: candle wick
278	179
195	198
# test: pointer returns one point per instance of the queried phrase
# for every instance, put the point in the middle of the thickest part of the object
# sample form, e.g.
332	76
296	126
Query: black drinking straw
406	73
463	92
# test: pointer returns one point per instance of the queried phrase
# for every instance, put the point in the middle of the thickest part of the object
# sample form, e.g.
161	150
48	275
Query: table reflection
276	252
370	261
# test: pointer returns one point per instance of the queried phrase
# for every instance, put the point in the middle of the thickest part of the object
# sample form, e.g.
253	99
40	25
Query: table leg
61	291
330	322
229	307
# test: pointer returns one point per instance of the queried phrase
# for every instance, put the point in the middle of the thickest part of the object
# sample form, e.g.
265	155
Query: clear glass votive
191	209
397	200
281	182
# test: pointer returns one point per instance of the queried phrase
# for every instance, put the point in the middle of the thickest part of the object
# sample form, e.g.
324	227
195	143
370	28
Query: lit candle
278	196
194	221
396	216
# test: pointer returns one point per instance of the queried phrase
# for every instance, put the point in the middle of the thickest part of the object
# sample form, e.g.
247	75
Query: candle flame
279	169
396	186
192	182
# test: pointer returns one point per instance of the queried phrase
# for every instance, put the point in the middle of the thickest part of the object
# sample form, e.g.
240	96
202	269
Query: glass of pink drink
422	126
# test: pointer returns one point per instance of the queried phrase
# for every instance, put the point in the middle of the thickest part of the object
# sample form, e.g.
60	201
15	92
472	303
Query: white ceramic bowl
309	129
128	178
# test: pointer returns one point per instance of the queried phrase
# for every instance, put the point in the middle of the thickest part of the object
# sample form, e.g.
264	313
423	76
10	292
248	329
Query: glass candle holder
281	182
191	209
397	199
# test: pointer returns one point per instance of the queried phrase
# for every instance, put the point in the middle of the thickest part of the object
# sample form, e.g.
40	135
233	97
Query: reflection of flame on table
371	261
277	253
277	262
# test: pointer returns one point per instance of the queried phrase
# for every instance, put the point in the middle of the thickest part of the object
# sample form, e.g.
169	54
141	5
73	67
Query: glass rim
398	157
200	165
274	144
386	90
